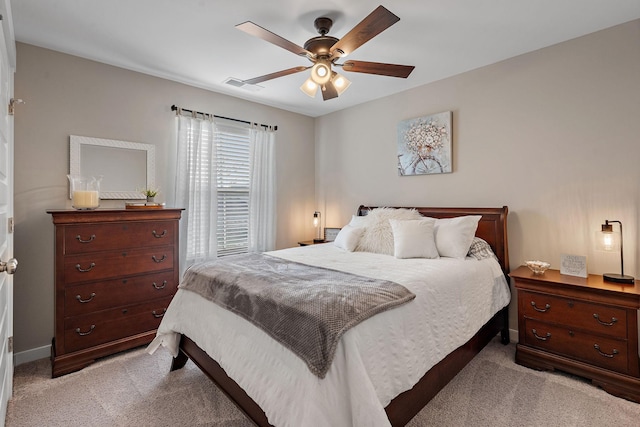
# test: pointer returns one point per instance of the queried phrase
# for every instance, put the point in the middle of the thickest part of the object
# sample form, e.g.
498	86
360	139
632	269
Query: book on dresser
116	270
585	326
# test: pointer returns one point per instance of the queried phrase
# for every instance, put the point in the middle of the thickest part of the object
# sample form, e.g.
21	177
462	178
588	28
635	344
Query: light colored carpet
136	389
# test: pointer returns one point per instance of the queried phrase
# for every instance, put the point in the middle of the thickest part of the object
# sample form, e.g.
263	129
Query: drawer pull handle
614	320
545	338
597	347
82	334
84	270
159	236
541	310
161	286
93	236
159	260
79	298
158	315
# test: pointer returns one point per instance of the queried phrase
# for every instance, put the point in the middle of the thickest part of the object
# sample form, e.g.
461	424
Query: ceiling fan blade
256	30
377	21
392	70
328	91
275	75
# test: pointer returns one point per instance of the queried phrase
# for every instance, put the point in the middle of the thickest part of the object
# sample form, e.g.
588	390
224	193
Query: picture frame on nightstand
330	234
573	265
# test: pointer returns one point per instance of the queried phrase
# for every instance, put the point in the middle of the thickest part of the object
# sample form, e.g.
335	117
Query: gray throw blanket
307	309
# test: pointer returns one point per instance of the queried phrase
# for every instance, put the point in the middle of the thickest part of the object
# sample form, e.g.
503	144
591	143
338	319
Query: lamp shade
318	226
607	240
309	87
321	72
340	82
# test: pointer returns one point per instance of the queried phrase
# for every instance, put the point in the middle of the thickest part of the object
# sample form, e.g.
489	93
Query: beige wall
553	134
67	95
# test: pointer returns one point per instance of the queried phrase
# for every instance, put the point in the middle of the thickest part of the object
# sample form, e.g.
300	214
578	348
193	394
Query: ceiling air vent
231	81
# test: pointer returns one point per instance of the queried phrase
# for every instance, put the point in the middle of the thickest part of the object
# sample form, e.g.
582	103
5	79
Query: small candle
86	199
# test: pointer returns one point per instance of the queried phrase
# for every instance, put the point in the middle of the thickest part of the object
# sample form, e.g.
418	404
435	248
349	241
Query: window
225	181
232	185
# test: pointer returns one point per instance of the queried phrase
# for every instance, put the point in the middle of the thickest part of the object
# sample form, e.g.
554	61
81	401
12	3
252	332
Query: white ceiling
195	42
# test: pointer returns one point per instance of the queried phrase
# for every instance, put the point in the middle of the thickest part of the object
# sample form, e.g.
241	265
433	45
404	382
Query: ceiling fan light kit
321	72
340	82
309	87
324	51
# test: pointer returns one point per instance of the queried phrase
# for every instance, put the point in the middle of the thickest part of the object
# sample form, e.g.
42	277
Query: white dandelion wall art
424	145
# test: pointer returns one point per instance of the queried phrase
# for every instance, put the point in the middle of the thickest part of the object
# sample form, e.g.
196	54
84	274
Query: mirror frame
75	168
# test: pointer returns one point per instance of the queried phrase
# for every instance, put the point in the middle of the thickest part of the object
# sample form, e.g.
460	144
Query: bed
269	375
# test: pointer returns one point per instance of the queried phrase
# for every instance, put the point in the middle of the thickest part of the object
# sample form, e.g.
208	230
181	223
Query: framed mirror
126	167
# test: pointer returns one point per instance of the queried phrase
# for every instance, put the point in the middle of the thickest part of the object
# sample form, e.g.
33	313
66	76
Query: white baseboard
513	335
27	356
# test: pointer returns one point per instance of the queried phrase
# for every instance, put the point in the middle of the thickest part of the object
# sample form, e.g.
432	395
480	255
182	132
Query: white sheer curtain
262	193
196	183
196	189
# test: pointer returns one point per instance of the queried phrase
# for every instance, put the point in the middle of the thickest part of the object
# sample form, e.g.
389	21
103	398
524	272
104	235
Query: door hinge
10	225
10	345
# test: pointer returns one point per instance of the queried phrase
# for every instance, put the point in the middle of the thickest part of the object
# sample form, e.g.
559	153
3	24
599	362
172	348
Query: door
7	263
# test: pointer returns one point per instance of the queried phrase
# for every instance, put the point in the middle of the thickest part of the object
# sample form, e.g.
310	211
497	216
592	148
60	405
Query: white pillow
414	238
359	221
348	237
377	236
454	235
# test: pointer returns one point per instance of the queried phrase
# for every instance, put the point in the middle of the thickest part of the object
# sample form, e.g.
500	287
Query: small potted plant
151	193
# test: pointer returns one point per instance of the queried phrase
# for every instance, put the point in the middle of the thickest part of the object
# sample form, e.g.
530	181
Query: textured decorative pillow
454	235
413	238
348	237
377	236
480	249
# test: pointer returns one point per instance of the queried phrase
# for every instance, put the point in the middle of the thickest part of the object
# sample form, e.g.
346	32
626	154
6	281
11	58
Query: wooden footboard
407	405
492	228
401	409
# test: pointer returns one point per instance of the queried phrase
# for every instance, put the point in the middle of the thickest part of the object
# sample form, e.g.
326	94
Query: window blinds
232	183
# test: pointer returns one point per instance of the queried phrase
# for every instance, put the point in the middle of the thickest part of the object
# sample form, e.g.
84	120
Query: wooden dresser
587	327
115	274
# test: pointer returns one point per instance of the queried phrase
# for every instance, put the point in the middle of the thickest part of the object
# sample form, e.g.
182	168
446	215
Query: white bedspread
375	361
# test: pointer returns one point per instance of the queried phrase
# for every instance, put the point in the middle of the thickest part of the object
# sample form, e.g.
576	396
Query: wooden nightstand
310	242
587	327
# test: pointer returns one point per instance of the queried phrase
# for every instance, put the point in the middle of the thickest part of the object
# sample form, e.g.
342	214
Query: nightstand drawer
596	318
605	352
84	238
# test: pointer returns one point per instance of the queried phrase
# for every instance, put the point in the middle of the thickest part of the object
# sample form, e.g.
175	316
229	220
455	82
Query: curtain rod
174	107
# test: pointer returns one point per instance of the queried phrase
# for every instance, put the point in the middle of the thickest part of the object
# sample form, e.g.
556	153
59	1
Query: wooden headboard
492	227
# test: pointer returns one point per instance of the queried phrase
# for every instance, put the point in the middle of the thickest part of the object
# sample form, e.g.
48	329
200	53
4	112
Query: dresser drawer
84	238
604	352
109	325
112	264
96	296
596	318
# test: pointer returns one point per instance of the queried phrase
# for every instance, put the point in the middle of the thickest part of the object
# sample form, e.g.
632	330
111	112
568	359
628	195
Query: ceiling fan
324	51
